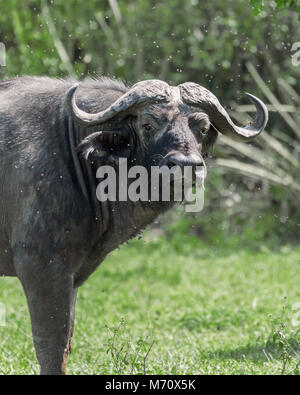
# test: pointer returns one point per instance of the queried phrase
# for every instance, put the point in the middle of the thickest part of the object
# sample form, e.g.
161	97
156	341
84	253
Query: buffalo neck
84	172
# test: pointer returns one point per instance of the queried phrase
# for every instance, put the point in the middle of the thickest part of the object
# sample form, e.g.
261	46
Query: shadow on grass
214	320
259	352
271	349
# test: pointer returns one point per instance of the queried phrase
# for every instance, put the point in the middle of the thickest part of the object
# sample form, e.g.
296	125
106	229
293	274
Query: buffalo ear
106	145
91	145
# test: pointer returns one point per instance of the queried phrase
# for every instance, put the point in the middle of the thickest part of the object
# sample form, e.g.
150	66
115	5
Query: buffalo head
171	125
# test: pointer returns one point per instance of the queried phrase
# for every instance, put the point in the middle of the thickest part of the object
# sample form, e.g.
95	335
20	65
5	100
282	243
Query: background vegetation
208	283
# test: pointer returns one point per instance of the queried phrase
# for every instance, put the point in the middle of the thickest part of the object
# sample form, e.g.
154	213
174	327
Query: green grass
174	307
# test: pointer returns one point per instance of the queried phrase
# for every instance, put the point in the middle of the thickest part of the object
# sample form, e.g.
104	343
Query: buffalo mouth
189	168
181	180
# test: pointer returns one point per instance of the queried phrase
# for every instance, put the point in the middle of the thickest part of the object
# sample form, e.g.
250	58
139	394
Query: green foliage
258	5
288	347
126	355
206	42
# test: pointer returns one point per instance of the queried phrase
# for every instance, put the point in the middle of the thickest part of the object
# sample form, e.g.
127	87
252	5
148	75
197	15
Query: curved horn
155	91
199	96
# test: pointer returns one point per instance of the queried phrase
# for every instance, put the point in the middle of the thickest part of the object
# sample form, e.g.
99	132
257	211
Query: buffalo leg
50	296
72	321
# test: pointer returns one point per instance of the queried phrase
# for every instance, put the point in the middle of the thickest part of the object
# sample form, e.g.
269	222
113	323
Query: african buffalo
54	232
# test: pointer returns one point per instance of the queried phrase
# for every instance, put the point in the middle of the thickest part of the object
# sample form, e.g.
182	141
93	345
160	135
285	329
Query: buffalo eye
147	127
204	131
199	123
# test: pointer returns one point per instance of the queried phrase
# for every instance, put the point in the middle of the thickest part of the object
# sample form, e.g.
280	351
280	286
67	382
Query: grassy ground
176	307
